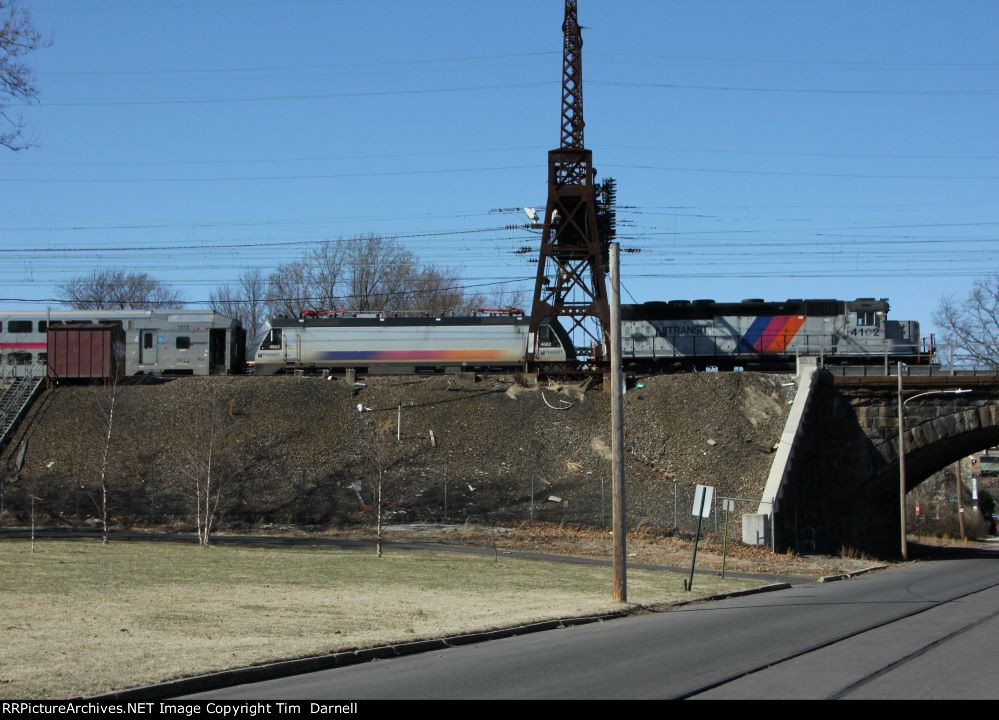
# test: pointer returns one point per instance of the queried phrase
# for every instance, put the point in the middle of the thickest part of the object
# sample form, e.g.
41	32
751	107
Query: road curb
850	575
772	587
346	658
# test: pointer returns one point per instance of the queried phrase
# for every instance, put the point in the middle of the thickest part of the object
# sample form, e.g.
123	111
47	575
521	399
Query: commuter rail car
373	342
168	342
758	334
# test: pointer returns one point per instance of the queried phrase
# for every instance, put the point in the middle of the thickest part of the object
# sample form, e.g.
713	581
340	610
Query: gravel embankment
297	450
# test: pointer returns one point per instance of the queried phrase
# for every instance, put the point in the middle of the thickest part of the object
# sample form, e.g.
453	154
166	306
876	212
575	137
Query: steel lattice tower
572	266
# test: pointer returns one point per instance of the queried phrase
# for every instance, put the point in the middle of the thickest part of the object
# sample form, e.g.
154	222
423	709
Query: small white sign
728	505
703	495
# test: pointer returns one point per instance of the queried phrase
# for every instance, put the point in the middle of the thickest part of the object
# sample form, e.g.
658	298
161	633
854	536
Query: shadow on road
977	550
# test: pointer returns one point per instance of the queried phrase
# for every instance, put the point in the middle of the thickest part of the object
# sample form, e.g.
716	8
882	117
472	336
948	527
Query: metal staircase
17	390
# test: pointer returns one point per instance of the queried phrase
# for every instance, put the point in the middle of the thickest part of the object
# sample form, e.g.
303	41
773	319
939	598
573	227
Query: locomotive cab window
183	343
272	341
546	337
867	319
19	326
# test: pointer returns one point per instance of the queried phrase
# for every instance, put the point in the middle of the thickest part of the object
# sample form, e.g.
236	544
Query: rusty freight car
91	351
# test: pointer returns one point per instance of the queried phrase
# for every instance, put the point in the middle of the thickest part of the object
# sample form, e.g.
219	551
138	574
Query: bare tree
379	273
116	289
368	273
325	275
382	451
106	397
289	290
18	38
971	326
245	301
208	460
436	291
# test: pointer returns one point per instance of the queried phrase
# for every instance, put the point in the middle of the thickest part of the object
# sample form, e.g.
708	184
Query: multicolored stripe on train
482	355
771	334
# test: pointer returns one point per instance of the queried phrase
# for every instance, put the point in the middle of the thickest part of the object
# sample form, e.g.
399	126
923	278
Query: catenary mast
579	221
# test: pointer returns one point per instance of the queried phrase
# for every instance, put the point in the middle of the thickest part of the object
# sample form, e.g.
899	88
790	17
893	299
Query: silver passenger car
168	342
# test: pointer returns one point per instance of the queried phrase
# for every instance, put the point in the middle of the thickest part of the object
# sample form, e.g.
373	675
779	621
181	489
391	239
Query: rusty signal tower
579	220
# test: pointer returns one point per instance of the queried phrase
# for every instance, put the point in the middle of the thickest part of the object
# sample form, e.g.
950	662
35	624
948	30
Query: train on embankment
655	337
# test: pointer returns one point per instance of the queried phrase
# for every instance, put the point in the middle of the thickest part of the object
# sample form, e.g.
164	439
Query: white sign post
703	495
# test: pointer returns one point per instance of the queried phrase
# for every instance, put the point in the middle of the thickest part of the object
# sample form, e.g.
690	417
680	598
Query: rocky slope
297	450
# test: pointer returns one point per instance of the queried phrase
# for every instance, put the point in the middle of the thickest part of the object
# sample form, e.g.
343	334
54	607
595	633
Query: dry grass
82	619
848	552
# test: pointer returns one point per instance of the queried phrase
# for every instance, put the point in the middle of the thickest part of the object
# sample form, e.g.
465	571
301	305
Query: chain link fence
329	500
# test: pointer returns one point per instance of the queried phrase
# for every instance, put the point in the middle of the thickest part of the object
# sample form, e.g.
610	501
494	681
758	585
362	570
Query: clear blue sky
762	149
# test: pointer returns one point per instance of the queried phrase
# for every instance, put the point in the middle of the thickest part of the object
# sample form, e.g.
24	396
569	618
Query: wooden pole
619	592
901	467
960	503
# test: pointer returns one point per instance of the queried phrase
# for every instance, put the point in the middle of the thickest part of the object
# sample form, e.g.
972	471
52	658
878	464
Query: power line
294	68
795	91
257	178
314	158
286	98
788	173
262	243
388	294
797	61
784	153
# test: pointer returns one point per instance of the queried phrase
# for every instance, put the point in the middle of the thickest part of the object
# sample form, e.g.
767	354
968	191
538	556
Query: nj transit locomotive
754	333
379	341
658	335
169	342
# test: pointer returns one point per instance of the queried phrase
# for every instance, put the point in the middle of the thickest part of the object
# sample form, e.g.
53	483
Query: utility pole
960	503
901	466
620	590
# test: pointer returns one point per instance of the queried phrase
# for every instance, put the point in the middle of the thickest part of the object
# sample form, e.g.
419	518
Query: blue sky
762	149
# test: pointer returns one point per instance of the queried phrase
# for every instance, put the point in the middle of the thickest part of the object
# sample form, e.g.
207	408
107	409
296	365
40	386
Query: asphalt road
924	630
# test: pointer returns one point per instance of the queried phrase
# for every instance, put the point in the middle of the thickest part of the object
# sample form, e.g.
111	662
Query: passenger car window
19	326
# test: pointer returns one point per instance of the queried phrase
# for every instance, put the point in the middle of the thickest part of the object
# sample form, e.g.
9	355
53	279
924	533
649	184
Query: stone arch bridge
841	486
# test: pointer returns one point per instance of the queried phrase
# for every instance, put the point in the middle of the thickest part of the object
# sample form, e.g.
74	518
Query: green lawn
82	619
